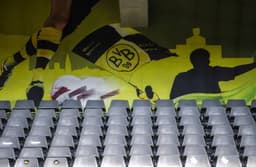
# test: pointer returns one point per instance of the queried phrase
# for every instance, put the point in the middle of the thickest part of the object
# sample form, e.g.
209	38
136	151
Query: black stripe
18	57
41	62
95	44
44	44
30	49
154	51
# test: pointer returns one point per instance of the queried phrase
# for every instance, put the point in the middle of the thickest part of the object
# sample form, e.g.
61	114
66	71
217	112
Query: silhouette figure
204	78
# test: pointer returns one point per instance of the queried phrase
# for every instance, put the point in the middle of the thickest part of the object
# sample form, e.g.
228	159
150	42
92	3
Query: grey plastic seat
141	149
69	113
235	103
249	151
164	103
142	129
63	141
40	131
59	152
68	121
210	103
9	142
168	149
189	111
25	104
217	120
86	151
113	161
194	150
17	122
95	104
240	111
66	130
166	111
169	139
56	161
189	120
142	139
197	160
164	120
167	129
117	120
91	130
114	150
43	121
26	162
119	103
1	125
247	130
89	161
92	140
5	105
36	141
115	139
215	110
193	140
142	111
70	103
14	132
193	129
117	129
226	150
36	153
141	120
187	102
95	112
141	161
48	104
139	102
7	153
251	161
3	114
243	120
46	113
92	120
118	111
228	160
222	130
4	162
248	140
26	113
223	140
169	161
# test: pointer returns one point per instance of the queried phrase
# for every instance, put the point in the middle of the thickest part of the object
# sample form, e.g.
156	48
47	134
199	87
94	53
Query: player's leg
48	40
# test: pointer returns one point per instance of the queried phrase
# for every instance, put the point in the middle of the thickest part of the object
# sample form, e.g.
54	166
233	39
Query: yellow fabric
50	34
37	74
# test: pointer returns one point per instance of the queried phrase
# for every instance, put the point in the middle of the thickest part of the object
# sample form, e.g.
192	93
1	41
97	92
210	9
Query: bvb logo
122	58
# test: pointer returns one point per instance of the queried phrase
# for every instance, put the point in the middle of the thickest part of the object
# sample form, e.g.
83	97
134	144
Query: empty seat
70	103
169	161
36	141
215	110
191	150
66	131
4	162
248	140
167	129
14	132
247	130
59	152
141	149
26	162
223	140
114	150
113	161
222	130
3	114
95	104
117	111
166	111
193	129
92	120
119	130
142	129
119	103
168	149
142	139
115	139
249	151
235	103
243	120
169	139
91	130
68	121
240	111
139	102
7	153
193	140
46	113
226	150
117	120
142	120
17	122
43	121
63	141
164	103
69	113
25	104
197	160
217	120
141	161
188	111
142	111
95	112
36	153
210	103
189	120
89	161
5	105
86	151
251	161
26	113
9	142
228	160
164	120
187	102
56	161
40	131
48	104
92	140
